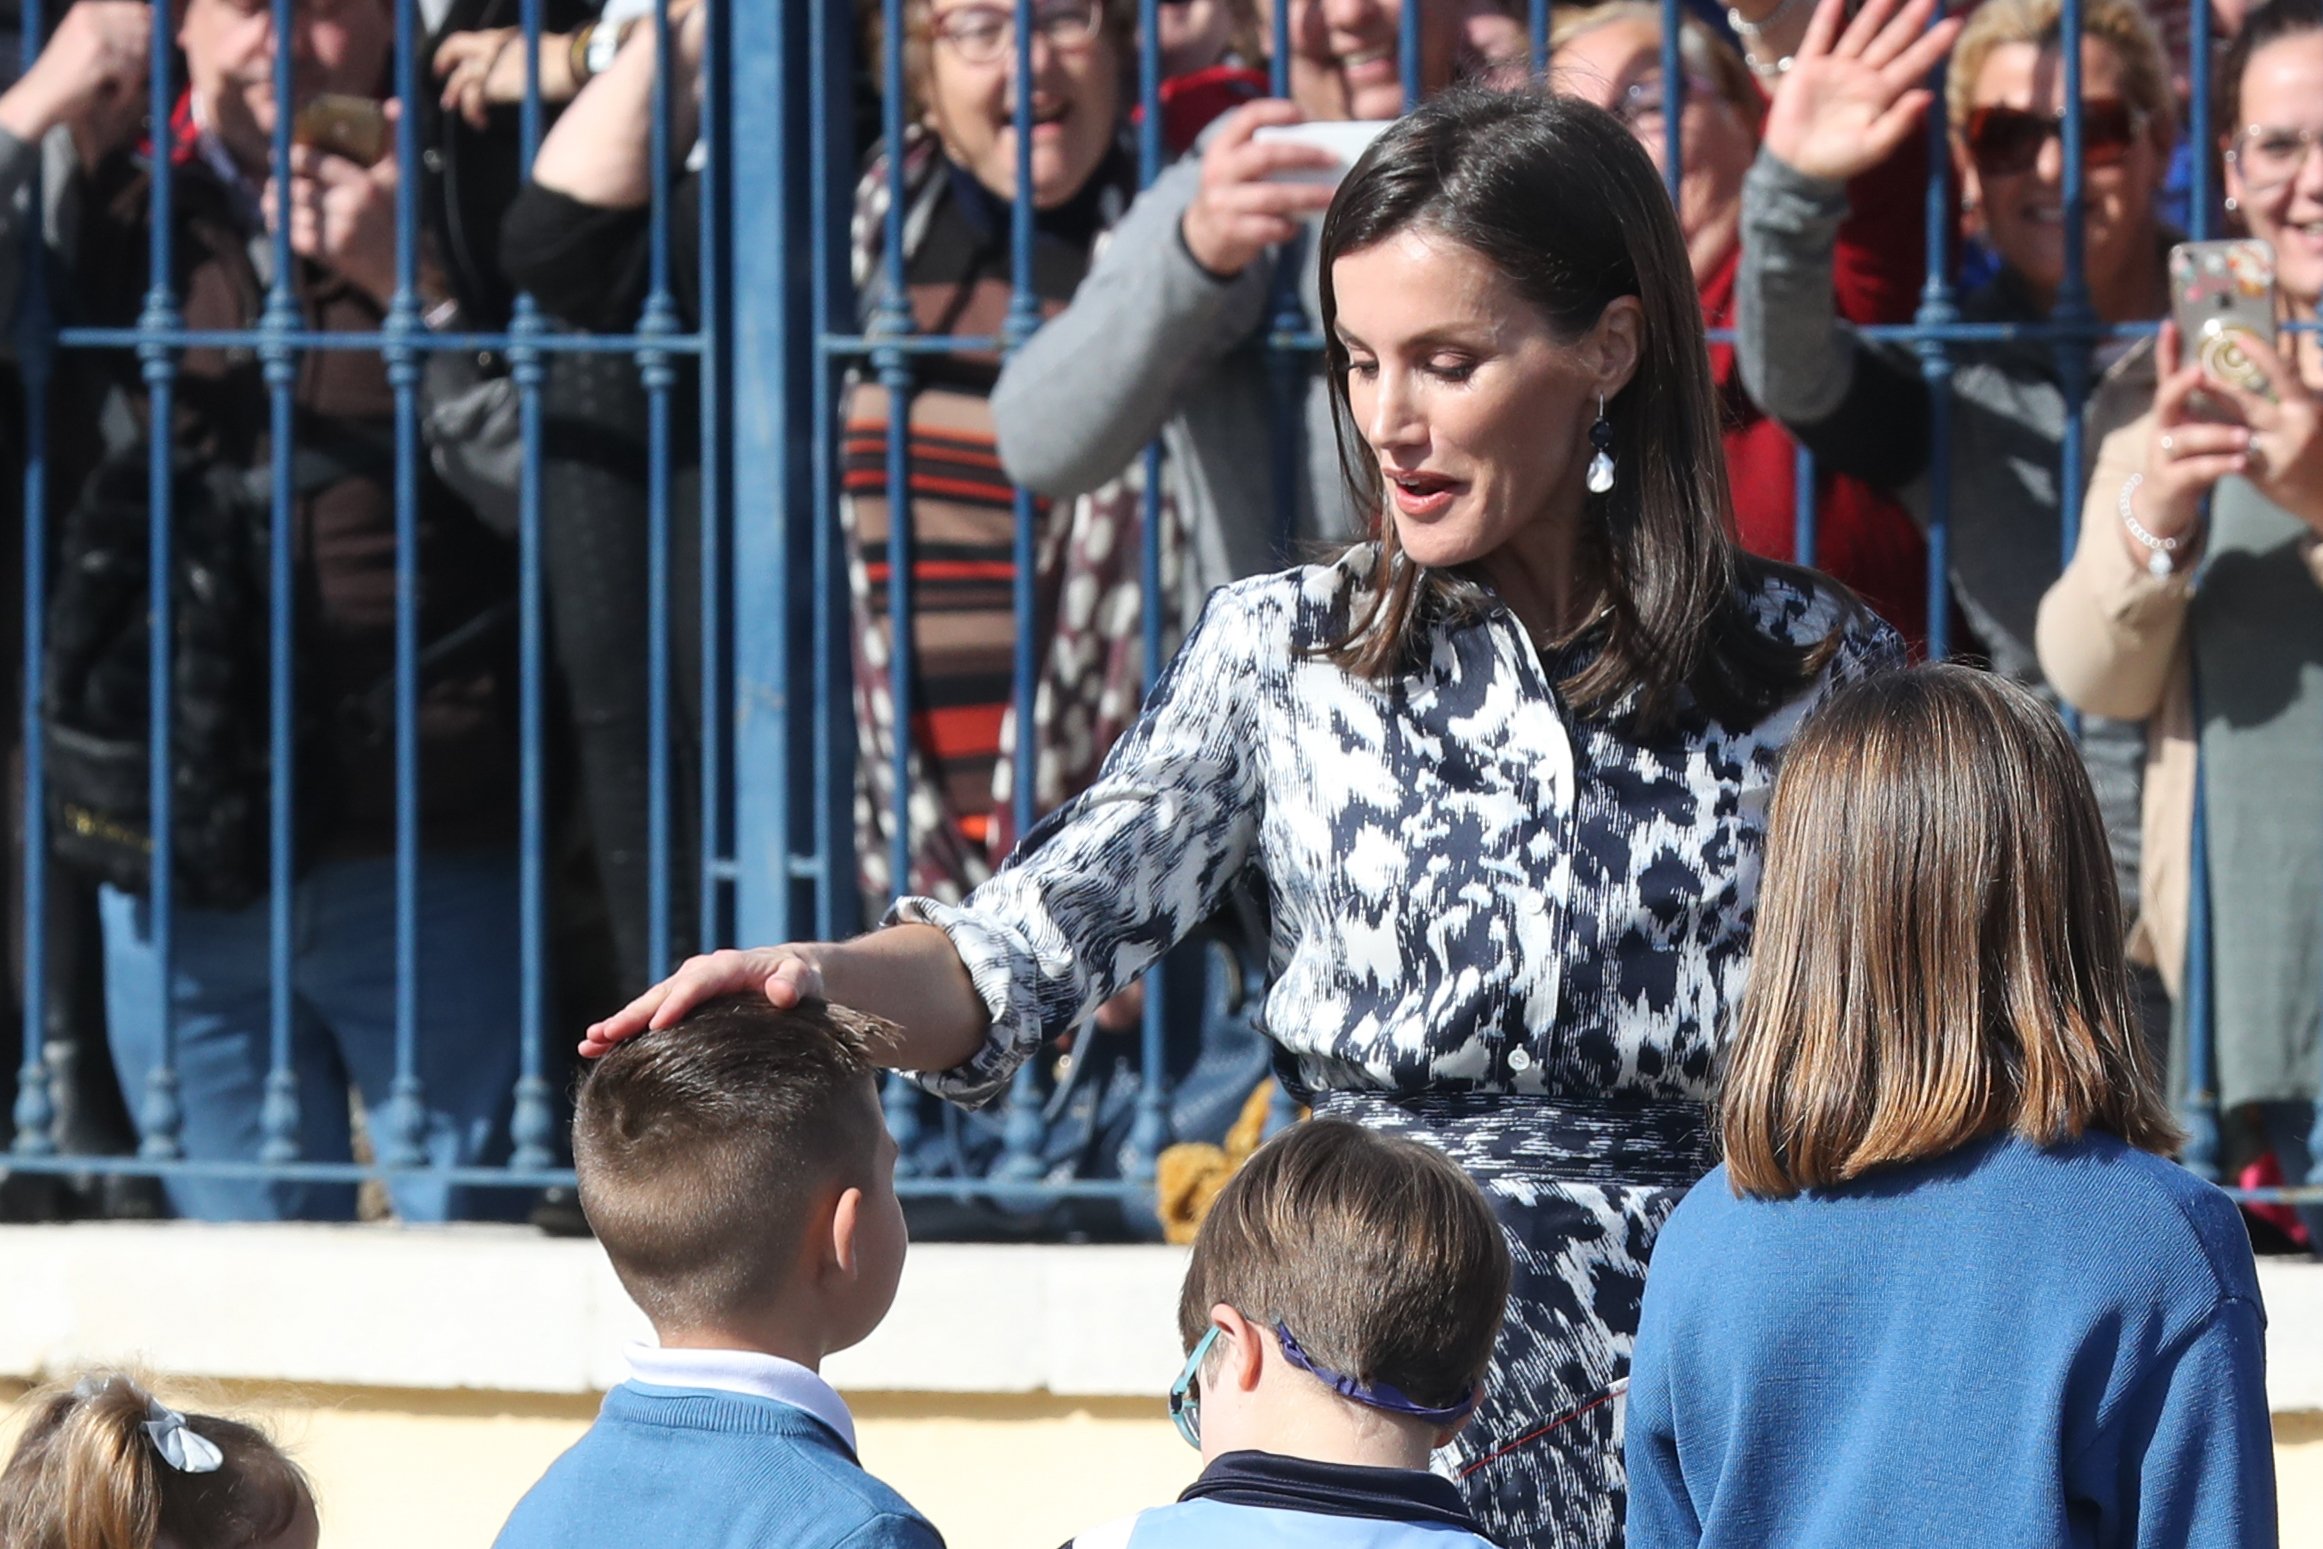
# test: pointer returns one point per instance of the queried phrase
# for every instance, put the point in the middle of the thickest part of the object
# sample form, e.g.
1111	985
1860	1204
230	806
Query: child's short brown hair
88	1474
1379	1254
699	1146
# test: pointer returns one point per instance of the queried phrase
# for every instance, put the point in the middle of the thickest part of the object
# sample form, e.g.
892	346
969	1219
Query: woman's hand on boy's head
787	975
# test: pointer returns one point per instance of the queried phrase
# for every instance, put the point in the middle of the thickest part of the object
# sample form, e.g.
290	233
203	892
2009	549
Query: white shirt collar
748	1372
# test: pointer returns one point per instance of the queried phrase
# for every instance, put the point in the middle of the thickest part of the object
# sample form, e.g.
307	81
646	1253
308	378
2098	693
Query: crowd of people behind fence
1157	305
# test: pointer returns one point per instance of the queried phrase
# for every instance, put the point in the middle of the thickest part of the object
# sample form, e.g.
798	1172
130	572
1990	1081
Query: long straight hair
1560	198
1938	954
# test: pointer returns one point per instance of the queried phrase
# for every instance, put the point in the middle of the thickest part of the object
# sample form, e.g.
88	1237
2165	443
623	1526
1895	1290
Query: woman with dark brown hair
1500	770
1947	1287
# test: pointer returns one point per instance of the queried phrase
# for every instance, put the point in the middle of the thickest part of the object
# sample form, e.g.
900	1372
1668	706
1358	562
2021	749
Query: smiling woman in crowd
1863	406
2228	674
1501	771
1612	55
959	178
1166	338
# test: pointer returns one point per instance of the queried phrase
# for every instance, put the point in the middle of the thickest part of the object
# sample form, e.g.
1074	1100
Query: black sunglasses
2006	141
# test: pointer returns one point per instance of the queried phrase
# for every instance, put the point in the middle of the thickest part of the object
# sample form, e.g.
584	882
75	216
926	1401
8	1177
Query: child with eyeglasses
1339	1315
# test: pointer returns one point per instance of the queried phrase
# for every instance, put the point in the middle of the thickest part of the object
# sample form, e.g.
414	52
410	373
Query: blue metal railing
779	343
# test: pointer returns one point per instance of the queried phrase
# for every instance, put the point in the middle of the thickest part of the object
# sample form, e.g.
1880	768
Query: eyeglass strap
1373	1395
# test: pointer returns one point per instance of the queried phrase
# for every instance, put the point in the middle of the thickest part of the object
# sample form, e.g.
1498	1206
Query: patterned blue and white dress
1499	928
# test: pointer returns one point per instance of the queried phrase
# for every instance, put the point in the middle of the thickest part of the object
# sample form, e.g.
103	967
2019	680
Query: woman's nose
1395	419
2049	160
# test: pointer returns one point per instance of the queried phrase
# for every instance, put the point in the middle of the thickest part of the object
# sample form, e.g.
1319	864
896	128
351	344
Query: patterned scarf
1089	662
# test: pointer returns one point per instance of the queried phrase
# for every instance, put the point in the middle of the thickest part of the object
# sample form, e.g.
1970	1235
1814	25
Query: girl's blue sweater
2008	1345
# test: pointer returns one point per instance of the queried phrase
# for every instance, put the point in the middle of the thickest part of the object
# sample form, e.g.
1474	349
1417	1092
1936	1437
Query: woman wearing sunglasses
2193	603
1864	406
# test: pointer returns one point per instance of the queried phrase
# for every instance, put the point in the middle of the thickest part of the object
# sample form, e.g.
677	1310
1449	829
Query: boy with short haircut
738	1173
1339	1314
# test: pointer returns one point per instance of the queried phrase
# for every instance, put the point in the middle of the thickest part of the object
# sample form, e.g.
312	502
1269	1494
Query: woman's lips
1422	494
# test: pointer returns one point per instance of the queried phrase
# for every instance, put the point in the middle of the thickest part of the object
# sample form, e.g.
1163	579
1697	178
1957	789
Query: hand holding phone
353	127
1251	196
2222	297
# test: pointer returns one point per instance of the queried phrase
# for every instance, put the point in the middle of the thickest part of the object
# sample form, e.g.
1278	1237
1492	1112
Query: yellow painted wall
397	1469
394	1469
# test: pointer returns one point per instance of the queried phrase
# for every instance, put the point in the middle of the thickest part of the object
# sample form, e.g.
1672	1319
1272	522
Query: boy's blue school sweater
2008	1345
1266	1500
670	1467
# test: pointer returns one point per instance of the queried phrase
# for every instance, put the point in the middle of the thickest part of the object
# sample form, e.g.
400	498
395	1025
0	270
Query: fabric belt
1509	1137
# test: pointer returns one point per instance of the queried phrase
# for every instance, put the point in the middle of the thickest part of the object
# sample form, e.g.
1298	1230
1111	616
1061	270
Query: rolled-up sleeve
1101	889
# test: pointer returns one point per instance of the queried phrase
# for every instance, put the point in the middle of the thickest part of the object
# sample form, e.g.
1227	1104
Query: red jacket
1863	537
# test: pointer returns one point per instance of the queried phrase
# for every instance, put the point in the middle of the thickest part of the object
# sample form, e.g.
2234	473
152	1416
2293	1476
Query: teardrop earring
1601	437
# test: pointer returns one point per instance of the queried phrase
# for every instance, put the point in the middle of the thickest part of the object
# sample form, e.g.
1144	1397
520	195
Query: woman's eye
1453	370
1366	369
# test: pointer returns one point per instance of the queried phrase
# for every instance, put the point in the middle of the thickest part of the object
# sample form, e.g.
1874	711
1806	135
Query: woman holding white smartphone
1162	340
2210	627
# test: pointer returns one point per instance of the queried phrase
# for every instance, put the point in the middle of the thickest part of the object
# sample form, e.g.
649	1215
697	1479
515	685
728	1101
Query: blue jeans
342	1030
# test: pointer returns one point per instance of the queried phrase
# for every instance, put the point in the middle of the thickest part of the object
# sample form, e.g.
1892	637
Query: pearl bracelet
2161	552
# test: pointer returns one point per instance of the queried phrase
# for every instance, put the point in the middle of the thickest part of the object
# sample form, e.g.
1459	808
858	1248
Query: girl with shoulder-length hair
1501	770
1947	1285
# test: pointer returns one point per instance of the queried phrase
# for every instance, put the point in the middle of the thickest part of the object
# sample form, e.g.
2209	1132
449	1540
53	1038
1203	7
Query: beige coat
2112	640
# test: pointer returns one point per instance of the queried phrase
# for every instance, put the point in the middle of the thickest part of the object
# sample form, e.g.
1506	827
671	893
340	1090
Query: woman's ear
1616	343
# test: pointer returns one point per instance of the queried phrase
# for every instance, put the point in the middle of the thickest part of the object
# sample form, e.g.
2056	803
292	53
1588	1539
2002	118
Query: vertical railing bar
657	372
532	1125
279	1114
1673	97
35	1111
2200	1104
1407	53
2201	198
1537	26
1938	310
1285	379
1149	1130
1803	524
403	1144
2076	331
1022	1129
892	318
832	669
161	1116
711	515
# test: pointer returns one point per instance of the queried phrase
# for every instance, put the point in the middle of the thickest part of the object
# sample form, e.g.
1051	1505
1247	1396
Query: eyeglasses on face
1185	1393
2270	155
2006	141
986	34
1644	106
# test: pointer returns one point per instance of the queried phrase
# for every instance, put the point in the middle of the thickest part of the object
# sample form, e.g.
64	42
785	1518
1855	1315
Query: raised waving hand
1851	96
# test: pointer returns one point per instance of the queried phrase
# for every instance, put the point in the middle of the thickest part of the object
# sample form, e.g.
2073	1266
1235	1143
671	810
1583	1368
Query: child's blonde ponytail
89	1474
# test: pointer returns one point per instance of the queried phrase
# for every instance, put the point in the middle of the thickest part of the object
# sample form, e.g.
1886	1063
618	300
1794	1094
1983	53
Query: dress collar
749	1372
1269	1479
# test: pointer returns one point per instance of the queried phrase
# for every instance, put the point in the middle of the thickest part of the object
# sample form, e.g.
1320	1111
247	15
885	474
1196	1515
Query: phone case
353	127
2223	297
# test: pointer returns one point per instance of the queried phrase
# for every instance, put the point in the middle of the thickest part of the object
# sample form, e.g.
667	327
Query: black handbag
95	691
